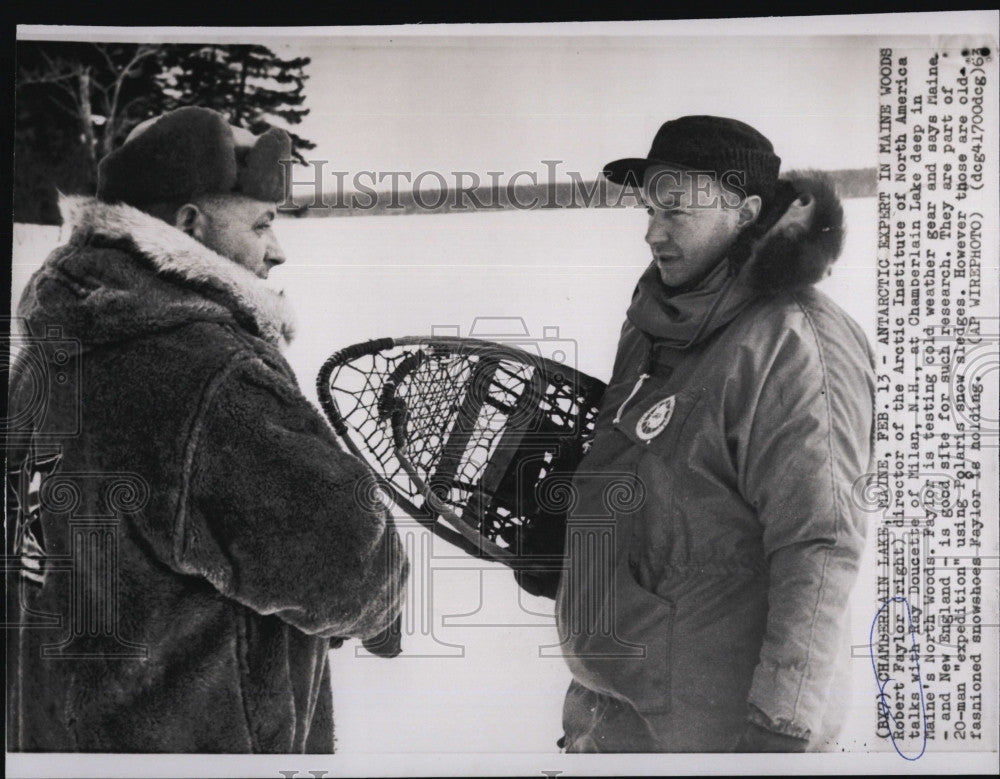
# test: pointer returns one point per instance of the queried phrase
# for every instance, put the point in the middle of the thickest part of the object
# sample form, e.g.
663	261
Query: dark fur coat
187	532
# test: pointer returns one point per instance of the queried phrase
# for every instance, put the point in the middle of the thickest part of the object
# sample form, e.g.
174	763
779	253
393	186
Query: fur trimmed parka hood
100	302
805	241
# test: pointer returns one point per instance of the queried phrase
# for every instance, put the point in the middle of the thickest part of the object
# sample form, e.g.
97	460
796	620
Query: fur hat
190	152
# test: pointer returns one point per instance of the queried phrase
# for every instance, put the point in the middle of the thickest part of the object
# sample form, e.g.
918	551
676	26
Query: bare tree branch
66	81
72	110
103	51
54	72
143	52
35	77
112	92
102	90
53	65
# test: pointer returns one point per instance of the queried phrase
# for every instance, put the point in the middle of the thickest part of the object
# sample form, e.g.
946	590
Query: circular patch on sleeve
655	420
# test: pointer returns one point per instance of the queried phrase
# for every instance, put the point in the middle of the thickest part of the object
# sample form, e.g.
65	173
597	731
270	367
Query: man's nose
275	256
657	231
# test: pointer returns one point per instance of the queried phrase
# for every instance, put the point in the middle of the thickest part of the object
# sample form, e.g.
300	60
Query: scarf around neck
679	320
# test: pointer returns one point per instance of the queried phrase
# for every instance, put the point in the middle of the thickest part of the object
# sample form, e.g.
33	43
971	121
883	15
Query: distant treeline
850	183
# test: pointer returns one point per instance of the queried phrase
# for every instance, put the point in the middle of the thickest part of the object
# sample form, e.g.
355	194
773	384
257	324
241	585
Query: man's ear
191	220
749	211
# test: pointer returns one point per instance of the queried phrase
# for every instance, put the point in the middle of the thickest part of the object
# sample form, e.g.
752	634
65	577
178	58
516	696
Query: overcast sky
505	97
506	104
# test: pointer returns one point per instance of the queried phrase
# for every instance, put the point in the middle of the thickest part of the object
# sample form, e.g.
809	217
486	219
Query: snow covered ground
475	676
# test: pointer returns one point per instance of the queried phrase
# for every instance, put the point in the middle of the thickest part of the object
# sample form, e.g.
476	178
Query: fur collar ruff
805	241
175	253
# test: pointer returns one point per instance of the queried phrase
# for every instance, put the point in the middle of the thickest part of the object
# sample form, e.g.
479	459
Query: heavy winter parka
185	534
714	541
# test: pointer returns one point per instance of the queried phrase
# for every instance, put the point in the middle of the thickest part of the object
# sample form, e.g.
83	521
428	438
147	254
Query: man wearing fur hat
236	544
741	405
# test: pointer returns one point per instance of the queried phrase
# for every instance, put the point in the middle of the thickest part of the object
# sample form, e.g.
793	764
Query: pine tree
248	83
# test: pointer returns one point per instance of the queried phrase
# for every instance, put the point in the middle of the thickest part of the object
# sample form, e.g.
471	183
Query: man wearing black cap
741	403
187	535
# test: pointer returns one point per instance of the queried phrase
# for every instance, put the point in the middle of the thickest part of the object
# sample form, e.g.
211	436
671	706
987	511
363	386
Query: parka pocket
652	624
616	635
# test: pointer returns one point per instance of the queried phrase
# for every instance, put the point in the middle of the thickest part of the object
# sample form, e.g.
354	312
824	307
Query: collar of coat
804	242
178	255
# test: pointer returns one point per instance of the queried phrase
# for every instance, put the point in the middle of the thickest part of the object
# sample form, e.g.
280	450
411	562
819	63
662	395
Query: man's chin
668	275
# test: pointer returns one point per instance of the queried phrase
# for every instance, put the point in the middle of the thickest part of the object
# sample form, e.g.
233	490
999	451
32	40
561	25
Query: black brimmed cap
706	143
